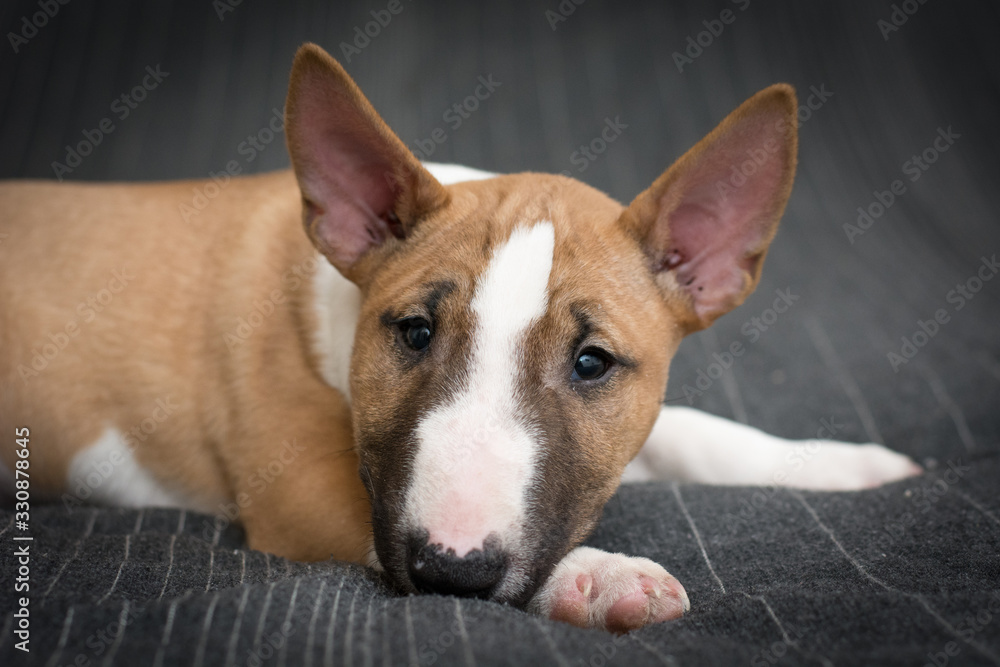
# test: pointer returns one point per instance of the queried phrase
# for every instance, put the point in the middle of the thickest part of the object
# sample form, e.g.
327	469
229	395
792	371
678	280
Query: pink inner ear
719	213
347	172
352	205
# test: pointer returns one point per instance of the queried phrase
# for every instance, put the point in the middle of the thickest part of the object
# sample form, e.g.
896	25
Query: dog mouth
434	569
506	566
495	572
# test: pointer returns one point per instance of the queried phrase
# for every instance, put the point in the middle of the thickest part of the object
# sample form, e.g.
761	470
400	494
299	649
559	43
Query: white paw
591	588
826	465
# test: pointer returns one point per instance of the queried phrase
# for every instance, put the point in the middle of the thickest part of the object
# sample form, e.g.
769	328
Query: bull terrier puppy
453	368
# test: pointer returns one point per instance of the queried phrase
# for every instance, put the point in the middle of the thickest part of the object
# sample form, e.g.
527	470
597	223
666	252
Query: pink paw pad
613	592
650	601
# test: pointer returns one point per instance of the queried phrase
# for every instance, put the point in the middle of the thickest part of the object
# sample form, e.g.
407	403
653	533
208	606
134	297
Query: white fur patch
476	455
688	445
446	174
107	473
337	304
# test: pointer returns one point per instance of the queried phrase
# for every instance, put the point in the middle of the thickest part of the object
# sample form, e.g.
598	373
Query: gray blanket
895	575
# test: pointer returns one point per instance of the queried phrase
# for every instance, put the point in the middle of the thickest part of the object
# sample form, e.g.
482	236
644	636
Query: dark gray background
826	358
613	60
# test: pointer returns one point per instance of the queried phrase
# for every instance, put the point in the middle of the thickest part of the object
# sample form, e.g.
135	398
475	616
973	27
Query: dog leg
687	445
591	588
311	509
294	478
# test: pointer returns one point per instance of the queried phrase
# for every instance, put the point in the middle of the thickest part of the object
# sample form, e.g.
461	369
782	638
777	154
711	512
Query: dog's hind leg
688	445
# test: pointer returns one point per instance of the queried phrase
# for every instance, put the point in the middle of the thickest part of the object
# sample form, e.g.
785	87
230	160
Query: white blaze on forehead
514	290
476	454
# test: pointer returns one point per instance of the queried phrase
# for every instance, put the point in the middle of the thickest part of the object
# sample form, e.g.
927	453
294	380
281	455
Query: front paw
839	466
591	588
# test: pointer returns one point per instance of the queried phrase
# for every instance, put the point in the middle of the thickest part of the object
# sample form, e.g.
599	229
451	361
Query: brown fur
164	334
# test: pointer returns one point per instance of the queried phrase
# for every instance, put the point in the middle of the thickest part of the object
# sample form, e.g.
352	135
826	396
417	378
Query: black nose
434	570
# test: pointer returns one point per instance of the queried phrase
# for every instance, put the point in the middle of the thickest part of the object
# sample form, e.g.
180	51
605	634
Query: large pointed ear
705	223
360	184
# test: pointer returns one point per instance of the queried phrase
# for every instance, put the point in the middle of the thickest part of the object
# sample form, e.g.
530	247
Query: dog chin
516	588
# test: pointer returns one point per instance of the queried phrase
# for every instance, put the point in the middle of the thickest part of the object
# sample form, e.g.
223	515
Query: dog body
489	352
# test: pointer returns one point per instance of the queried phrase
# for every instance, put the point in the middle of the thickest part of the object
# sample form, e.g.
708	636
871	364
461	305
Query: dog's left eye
416	333
591	365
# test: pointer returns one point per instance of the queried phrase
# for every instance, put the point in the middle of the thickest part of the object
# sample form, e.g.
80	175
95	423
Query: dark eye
591	365
416	333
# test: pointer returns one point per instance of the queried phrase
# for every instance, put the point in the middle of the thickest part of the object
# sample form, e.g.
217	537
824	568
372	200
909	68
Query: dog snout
434	569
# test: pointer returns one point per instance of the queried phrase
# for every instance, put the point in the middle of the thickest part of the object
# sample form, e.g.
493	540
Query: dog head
515	332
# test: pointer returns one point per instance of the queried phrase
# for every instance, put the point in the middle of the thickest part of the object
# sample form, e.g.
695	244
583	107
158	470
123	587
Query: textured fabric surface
888	576
885	576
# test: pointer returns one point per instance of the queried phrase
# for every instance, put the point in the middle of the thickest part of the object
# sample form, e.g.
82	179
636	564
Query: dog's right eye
416	333
592	364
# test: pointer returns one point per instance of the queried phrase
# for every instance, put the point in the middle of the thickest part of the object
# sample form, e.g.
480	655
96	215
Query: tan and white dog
460	365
